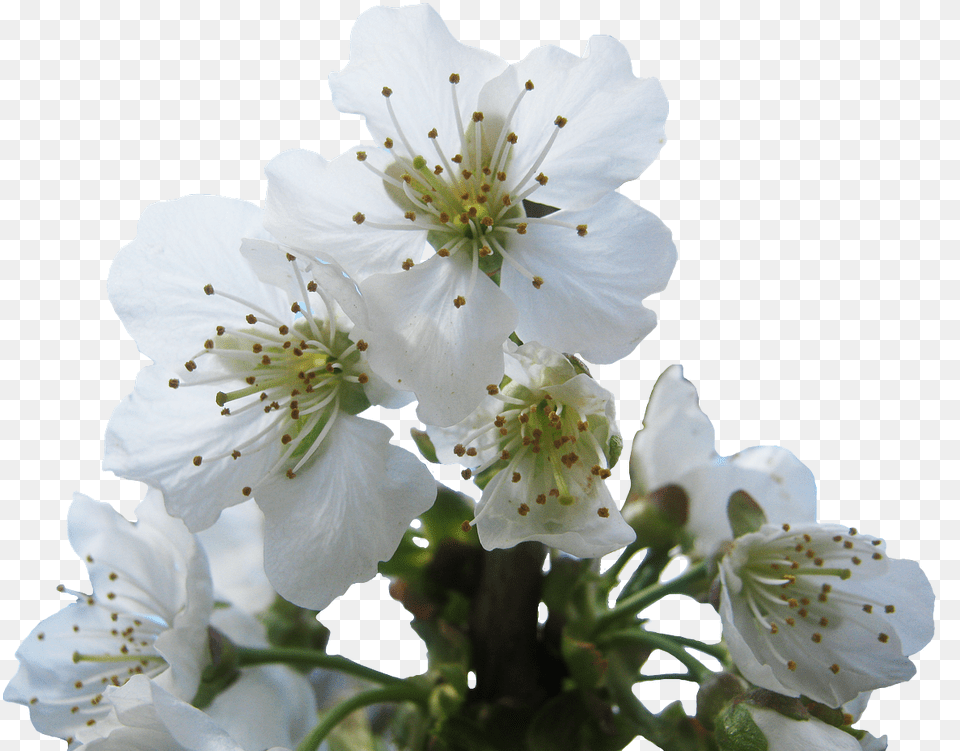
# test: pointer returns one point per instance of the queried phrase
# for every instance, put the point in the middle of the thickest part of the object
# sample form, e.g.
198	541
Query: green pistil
77	657
228	396
843	573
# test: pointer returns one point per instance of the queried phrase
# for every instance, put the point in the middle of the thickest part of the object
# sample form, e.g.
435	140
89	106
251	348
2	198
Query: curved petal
234	547
420	341
779	482
334	522
591	300
676	437
311	203
615	121
590	527
154	434
268	705
411	51
156	283
785	734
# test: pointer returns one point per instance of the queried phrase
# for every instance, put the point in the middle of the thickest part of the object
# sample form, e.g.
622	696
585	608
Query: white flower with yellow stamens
820	610
148	615
255	393
550	436
491	206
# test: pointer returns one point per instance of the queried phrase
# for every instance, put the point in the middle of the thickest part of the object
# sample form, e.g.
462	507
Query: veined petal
153	720
780	483
311	203
156	282
411	51
615	126
589	527
676	437
330	526
785	734
155	432
820	610
591	300
421	341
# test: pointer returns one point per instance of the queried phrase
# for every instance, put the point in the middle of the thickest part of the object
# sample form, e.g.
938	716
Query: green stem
653	564
665	643
646	597
335	716
310	658
667	677
614	571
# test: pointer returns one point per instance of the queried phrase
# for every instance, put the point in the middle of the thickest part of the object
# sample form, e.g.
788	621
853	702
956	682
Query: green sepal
736	731
614	449
288	625
585	661
424	445
745	514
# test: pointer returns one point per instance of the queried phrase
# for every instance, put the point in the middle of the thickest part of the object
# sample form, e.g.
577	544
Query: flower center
556	435
470	202
303	373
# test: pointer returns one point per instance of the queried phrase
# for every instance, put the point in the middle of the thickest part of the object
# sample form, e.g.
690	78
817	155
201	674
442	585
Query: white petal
576	529
234	546
538	367
420	341
153	720
780	483
156	282
591	300
330	526
411	51
310	206
676	437
155	432
785	734
615	125
269	705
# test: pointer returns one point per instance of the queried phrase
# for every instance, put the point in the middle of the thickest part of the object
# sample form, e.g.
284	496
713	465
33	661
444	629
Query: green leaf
736	731
745	514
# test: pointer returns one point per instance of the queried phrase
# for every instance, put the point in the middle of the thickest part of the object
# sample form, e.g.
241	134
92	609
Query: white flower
151	719
469	144
820	610
551	432
252	396
786	734
148	615
676	447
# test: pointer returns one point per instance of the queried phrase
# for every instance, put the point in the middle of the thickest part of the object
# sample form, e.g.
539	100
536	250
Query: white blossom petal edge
151	719
786	734
676	447
148	614
821	610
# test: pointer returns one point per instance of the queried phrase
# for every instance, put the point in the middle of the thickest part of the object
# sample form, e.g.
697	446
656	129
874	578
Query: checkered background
807	180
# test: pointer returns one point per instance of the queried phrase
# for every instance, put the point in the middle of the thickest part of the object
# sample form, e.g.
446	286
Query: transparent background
807	178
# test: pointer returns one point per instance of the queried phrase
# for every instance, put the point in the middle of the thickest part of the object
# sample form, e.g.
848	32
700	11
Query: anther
603	512
388	143
208	289
493	390
459	301
247	491
221	330
502	176
311	286
437	170
361	156
359	218
432	133
190	365
512	138
208	344
542	179
868	608
454	78
174	383
295	308
386	91
465	526
251	318
537	282
487	221
257	348
582	230
467	174
883	638
471	451
411	215
466	474
522	228
528	85
835	668
443	253
284	330
516	477
407	265
235	454
197	461
523	509
889	609
478	117
291	474
560	121
484	252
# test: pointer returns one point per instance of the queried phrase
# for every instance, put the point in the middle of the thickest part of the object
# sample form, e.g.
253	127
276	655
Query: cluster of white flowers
462	262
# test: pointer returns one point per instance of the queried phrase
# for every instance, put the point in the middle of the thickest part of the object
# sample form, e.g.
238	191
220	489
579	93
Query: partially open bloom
676	448
550	436
490	207
151	719
147	616
255	393
821	610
